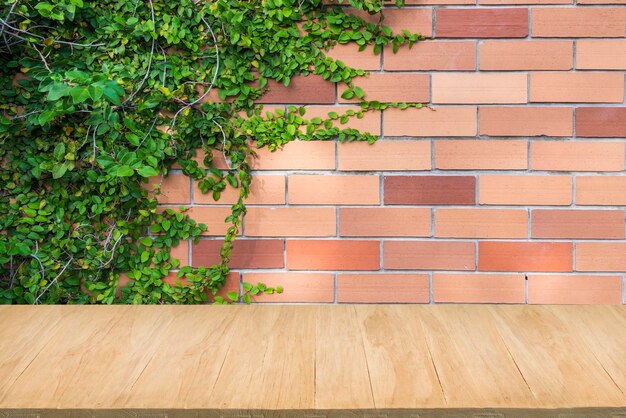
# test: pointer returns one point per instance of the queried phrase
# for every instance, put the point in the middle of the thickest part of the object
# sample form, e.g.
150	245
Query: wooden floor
313	361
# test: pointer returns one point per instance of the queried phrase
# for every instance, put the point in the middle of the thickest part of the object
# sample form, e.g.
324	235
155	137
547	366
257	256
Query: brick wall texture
511	189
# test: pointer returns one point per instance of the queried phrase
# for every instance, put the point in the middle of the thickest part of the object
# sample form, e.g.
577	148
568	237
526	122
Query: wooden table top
316	359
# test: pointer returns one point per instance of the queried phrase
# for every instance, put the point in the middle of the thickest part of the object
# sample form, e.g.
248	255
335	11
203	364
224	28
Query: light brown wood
313	361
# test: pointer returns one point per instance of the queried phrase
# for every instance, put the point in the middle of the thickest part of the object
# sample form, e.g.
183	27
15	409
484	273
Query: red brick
578	22
429	255
526	121
383	288
297	155
602	54
598	122
577	156
525	190
439	2
432	55
601	190
290	222
297	287
514	2
579	289
439	121
384	222
386	87
338	190
578	224
303	90
481	23
175	189
555	87
525	256
470	88
370	122
350	55
526	55
601	256
333	255
384	155
181	252
481	154
478	288
416	20
481	223
264	190
213	217
430	190
247	253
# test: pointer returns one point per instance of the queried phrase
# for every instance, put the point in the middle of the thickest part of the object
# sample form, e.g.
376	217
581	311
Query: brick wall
511	189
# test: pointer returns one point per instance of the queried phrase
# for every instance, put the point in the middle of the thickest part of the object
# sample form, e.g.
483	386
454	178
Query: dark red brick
601	122
252	253
312	89
482	23
430	190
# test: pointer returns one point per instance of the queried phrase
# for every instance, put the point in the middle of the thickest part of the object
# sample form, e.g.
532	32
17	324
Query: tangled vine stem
101	100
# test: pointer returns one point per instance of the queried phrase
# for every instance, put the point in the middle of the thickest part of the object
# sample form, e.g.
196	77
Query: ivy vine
99	97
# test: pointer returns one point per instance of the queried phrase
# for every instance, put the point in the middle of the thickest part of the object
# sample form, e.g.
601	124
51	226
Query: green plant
99	97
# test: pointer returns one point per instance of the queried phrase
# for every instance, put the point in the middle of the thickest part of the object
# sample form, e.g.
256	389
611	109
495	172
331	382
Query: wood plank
341	369
554	359
472	362
270	363
400	367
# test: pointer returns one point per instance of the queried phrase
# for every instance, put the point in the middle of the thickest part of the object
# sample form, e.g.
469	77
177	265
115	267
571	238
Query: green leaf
145	255
146	241
348	94
59	170
79	94
234	296
57	91
59	151
147	171
125	171
112	96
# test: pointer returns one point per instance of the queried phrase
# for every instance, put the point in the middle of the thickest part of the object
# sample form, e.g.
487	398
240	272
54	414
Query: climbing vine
99	97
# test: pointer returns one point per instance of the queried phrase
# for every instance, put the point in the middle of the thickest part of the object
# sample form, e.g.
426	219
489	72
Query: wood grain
312	361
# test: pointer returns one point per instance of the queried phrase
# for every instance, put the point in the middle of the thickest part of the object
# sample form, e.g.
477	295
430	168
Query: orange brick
576	156
383	288
478	288
460	88
580	289
433	55
297	287
297	155
429	255
338	190
526	121
525	190
370	122
512	2
481	154
601	256
525	256
384	156
384	222
333	255
413	20
578	224
310	90
181	252
481	223
526	55
175	189
600	54
440	121
290	222
578	22
442	2
247	253
350	55
213	217
264	190
386	87
577	87
600	190
601	2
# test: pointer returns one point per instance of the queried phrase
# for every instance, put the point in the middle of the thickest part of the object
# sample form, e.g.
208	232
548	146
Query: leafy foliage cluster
99	97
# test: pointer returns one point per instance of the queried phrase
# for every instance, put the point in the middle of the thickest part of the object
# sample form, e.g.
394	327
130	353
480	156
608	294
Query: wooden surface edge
316	413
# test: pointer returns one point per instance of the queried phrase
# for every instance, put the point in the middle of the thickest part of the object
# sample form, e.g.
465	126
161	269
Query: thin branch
53	281
145	77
